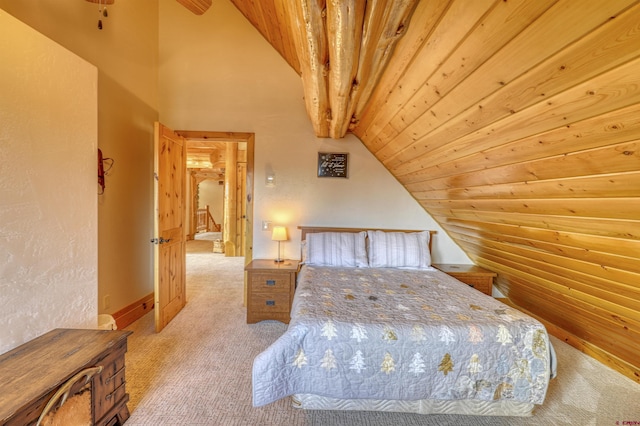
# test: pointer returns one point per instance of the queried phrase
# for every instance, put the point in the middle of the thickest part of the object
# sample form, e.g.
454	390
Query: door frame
249	138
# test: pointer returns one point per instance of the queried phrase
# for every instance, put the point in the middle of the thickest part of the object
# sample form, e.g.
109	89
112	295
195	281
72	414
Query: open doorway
219	190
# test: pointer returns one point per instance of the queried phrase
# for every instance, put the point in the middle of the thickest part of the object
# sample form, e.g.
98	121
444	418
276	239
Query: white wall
125	52
211	193
48	203
218	73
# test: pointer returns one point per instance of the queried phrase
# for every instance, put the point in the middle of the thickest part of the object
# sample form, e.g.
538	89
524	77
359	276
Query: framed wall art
333	164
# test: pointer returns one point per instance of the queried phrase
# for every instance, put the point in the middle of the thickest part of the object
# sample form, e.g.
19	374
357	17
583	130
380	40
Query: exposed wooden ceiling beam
343	48
310	41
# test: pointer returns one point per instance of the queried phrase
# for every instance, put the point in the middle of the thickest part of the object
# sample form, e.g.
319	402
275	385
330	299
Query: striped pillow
345	249
399	249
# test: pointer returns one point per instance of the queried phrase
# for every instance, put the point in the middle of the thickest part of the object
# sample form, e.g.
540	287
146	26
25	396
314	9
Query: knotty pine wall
516	124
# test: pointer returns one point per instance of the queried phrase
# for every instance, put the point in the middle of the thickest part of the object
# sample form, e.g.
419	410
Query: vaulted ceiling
514	123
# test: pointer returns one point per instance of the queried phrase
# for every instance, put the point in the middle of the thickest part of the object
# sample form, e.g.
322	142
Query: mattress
398	338
424	406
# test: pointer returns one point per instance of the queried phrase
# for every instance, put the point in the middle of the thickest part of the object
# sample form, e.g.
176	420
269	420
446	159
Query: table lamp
279	234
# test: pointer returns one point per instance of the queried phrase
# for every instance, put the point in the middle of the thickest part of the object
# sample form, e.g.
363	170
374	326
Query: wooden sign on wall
332	164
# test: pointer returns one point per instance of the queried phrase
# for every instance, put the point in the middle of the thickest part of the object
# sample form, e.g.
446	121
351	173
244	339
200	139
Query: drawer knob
271	303
271	282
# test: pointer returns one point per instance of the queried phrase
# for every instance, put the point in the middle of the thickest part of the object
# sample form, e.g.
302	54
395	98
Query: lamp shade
279	233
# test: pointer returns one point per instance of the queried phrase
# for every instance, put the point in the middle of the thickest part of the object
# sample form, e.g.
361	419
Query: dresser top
46	362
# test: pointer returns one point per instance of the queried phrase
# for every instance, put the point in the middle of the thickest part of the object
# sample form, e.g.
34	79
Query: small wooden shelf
271	286
475	276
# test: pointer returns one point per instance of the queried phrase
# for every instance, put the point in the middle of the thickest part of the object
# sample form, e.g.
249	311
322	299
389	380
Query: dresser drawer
109	386
269	302
270	282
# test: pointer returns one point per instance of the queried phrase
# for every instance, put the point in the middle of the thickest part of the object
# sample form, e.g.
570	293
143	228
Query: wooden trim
582	345
129	314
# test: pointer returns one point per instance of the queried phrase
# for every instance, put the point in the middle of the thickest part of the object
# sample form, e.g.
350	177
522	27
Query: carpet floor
197	371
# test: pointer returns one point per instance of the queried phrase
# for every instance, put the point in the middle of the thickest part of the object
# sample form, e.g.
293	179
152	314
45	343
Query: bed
375	327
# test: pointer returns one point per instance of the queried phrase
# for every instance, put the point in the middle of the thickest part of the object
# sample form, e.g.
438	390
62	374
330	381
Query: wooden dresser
474	276
271	286
31	374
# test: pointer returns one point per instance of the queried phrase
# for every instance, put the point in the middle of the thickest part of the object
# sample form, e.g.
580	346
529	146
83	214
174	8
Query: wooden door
169	242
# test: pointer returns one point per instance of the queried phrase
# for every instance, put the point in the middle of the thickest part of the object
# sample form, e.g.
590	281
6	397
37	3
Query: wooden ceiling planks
273	20
516	125
196	6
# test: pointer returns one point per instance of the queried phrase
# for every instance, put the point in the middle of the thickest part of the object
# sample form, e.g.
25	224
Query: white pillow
345	249
399	249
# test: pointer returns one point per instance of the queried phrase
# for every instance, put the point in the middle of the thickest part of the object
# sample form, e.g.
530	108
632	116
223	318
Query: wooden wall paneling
618	158
616	89
606	284
607	47
288	45
582	321
610	128
613	228
523	285
384	24
251	10
499	25
424	21
614	208
460	18
469	110
497	28
605	251
590	275
196	6
607	358
494	76
513	285
271	19
601	186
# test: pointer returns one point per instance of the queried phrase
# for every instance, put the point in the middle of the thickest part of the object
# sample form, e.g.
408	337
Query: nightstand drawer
271	282
482	284
273	302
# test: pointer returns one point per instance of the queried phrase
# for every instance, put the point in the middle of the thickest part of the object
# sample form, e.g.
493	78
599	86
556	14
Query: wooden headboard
314	229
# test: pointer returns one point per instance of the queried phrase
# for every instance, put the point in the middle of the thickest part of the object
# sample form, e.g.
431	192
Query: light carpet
197	371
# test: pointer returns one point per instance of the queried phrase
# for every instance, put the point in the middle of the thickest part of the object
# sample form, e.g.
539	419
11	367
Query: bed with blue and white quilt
400	338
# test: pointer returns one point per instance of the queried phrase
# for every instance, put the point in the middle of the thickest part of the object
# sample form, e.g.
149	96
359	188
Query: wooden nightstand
475	276
270	289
